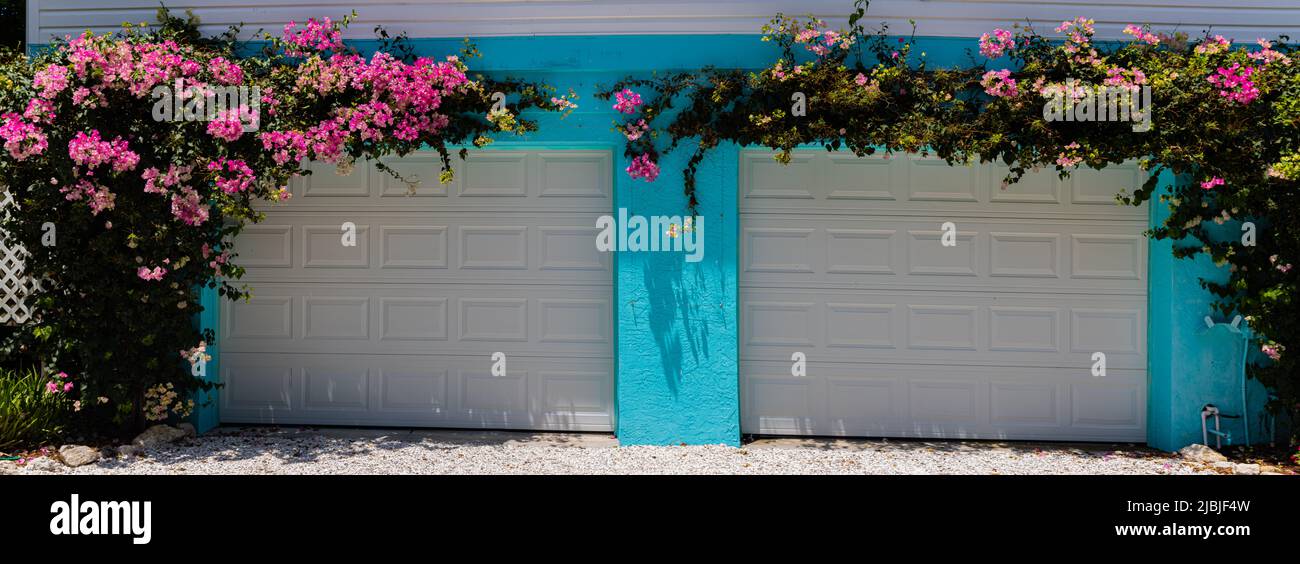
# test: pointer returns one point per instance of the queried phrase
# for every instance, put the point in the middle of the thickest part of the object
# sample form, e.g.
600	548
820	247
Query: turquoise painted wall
1191	364
676	323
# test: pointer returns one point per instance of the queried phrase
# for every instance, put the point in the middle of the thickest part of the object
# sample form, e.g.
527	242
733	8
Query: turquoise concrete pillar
206	415
678	332
1191	364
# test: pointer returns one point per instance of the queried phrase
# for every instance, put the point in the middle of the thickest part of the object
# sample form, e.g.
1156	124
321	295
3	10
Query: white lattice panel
14	287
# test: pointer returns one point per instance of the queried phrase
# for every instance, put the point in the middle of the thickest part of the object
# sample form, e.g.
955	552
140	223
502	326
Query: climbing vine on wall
1224	119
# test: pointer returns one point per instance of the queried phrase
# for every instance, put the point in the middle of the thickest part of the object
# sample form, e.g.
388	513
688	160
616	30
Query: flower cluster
90	151
316	35
819	40
1078	42
228	125
232	176
1070	156
162	401
1266	55
643	167
151	274
22	139
634	130
627	101
59	384
1272	350
997	44
1142	34
1212	45
1234	83
999	84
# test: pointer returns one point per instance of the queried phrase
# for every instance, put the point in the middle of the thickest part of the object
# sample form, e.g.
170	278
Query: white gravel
307	451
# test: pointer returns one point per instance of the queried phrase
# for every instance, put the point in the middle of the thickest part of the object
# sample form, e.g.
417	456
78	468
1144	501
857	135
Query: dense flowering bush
130	176
1225	119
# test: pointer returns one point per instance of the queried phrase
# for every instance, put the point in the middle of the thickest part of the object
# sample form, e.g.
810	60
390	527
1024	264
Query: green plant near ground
30	413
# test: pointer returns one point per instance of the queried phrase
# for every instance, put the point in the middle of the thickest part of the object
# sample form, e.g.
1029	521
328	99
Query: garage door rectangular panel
485	181
973	402
909	185
409	318
401	329
841	259
428	247
1027	255
916	327
413	246
418	390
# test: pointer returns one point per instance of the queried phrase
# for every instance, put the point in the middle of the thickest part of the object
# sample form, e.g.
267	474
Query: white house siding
1239	19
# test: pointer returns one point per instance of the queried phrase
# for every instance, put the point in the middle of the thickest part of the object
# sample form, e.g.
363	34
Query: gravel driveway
359	451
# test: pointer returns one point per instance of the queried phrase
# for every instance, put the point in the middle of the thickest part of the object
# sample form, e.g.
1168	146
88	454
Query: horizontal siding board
954	18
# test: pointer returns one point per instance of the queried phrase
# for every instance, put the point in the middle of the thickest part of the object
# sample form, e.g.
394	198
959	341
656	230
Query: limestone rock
77	455
1201	453
158	434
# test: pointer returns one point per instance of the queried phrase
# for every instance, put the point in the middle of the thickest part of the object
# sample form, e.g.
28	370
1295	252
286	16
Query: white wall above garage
1240	19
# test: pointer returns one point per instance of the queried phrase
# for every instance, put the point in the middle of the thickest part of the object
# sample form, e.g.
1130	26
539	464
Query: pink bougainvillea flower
1211	183
39	111
23	140
50	81
997	44
999	84
1266	55
1141	34
1234	83
1272	350
316	35
626	101
188	207
226	129
226	72
563	103
643	167
232	176
1069	157
90	151
154	274
1212	45
634	130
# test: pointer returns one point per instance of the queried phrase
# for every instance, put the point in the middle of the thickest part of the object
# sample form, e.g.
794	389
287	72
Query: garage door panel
549	180
403	327
976	402
902	185
1031	255
398	246
931	327
417	390
414	318
842	260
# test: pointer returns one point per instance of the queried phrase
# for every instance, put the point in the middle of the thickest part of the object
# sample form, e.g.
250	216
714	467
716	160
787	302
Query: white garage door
401	328
842	260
